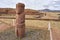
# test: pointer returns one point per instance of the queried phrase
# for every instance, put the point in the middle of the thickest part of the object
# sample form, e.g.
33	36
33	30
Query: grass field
35	29
31	34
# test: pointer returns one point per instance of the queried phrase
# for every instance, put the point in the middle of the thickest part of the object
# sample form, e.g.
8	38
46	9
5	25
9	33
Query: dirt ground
4	26
56	33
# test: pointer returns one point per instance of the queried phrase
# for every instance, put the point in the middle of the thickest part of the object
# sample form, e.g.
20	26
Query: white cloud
32	4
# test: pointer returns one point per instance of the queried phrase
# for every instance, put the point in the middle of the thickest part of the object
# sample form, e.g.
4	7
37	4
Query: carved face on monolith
19	8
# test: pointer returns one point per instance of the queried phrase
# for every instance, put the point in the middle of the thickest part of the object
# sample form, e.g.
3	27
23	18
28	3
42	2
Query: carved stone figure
20	20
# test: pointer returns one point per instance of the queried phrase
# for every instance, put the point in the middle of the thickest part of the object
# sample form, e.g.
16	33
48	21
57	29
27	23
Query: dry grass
31	34
34	31
36	23
55	24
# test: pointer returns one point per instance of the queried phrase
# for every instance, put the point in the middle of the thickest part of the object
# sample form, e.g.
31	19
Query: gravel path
4	26
56	33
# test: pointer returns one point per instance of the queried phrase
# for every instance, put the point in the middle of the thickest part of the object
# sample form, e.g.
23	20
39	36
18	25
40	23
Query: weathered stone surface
19	8
20	20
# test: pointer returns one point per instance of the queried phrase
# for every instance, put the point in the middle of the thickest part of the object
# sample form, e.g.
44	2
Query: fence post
20	20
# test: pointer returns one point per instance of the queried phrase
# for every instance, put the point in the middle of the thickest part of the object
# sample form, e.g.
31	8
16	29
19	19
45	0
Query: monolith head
20	8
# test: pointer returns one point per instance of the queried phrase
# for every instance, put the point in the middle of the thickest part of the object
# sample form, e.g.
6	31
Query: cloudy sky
32	4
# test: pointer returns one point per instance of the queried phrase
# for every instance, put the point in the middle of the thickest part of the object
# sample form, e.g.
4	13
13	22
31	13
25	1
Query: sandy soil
56	33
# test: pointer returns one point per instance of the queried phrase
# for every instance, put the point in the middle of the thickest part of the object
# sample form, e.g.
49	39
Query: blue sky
32	4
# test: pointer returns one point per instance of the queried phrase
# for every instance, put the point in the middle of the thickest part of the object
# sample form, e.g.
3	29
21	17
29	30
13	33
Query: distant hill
13	11
48	10
31	11
26	11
